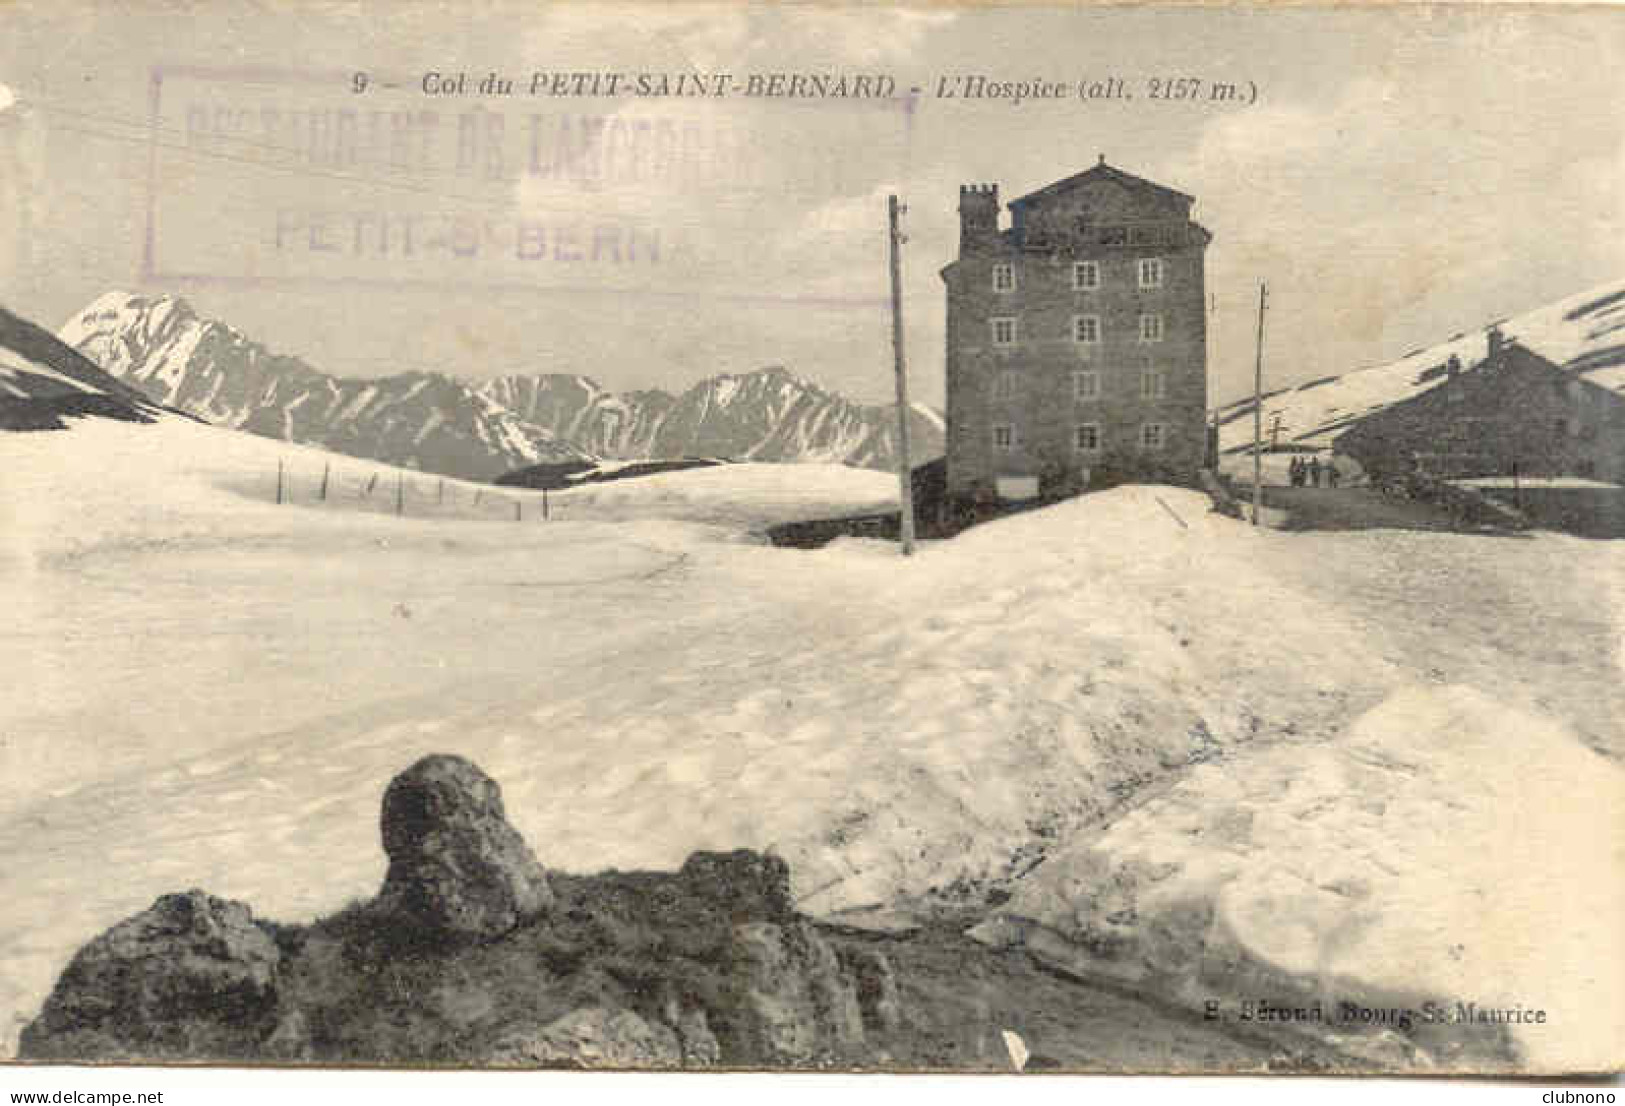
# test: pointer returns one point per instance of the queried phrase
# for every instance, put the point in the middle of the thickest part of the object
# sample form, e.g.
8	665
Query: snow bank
214	690
1446	849
751	495
112	481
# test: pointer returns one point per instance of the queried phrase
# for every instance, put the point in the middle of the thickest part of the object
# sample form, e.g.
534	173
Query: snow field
1446	849
217	690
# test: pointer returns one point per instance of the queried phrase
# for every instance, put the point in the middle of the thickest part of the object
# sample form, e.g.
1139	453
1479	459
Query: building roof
1100	171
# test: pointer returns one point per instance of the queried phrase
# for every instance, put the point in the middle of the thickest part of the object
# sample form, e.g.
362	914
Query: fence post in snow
372	482
544	505
326	468
440	491
279	480
518	510
400	493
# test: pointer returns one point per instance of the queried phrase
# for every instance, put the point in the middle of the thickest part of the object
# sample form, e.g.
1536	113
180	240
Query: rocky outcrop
590	1038
457	869
192	976
472	953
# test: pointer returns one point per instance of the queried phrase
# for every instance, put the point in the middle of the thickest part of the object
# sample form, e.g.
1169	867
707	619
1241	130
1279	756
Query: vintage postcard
813	537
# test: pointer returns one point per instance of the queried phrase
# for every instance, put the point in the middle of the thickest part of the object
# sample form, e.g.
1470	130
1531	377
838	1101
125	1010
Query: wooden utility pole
1210	446
905	475
1258	409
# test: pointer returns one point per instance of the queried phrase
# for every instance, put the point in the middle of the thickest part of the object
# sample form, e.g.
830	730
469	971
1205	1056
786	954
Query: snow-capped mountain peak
419	419
437	422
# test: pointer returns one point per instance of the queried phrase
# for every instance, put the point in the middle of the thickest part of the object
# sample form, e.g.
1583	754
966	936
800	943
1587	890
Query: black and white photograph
937	540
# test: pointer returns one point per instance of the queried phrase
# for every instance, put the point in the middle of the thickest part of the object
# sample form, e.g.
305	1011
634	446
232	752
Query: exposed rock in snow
190	977
43	382
457	869
707	965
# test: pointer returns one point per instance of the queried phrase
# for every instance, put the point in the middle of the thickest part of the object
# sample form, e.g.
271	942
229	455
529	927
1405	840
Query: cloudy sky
1404	174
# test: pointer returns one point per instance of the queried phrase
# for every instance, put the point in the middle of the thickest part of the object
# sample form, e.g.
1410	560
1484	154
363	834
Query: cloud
862	36
1416	201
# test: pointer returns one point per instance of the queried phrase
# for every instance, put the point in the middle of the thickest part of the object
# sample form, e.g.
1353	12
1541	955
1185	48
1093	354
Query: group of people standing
1312	473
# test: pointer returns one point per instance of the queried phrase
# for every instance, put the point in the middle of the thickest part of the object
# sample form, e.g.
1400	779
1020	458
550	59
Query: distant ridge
478	430
420	420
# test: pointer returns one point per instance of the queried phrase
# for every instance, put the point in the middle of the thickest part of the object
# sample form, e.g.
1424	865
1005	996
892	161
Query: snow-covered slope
1415	860
952	728
420	420
442	424
43	381
1584	333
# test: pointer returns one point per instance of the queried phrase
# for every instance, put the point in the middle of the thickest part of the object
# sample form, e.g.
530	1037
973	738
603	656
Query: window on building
1004	331
1086	438
1153	384
1085	276
1150	328
1153	435
1086	329
1004	437
1004	384
1086	384
1004	277
1150	269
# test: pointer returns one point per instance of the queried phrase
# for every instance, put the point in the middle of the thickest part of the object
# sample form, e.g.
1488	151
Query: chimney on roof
1102	159
978	216
1497	342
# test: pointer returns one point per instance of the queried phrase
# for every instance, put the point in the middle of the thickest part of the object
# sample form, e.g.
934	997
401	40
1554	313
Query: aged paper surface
459	611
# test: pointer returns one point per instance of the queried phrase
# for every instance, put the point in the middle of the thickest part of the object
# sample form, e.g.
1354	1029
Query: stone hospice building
1076	337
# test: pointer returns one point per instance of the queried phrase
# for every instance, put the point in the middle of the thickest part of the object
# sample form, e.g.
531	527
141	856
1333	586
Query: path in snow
1535	621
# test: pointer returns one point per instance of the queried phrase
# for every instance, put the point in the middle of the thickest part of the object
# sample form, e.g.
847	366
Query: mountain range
43	381
477	429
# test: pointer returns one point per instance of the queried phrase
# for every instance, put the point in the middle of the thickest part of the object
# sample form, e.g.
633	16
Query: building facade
1514	413
1076	337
